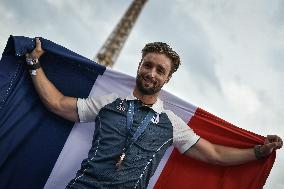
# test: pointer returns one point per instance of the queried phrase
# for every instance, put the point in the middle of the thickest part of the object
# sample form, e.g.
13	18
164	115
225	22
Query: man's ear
139	66
138	69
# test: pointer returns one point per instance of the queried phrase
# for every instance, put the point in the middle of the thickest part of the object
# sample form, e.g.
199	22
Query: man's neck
146	99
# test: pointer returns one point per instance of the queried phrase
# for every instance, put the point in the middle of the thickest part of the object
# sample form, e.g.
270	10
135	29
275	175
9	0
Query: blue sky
232	51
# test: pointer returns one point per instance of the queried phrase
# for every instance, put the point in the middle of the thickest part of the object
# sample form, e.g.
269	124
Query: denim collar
158	106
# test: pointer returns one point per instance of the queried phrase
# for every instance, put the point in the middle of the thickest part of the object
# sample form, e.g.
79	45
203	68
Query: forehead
159	59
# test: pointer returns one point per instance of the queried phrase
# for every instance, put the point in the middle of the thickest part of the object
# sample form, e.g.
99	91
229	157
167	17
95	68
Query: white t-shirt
183	136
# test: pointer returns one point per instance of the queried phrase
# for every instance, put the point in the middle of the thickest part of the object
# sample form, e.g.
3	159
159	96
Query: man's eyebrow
147	62
161	67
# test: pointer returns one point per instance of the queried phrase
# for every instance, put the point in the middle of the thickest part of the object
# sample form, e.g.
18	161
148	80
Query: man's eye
162	72
147	66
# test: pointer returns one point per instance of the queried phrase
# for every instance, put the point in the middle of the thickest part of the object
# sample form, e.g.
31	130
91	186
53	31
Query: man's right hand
37	52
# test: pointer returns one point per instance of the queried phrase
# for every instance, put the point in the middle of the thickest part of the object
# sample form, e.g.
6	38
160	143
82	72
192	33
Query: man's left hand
272	142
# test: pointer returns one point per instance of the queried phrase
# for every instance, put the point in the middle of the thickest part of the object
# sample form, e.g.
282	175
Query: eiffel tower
109	52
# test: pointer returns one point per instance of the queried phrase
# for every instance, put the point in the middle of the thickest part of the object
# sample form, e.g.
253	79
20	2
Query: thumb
38	51
38	45
268	148
272	145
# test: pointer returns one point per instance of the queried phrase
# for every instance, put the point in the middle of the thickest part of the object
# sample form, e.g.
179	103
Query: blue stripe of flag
31	137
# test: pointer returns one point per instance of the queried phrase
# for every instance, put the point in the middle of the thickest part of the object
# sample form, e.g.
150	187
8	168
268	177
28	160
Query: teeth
148	80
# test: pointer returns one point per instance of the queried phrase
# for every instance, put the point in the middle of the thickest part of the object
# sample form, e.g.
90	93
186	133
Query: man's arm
221	155
52	98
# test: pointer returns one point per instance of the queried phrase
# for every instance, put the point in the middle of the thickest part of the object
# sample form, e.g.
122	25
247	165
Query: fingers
274	139
29	55
280	143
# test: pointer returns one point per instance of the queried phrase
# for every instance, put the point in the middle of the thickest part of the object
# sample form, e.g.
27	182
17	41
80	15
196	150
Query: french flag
39	149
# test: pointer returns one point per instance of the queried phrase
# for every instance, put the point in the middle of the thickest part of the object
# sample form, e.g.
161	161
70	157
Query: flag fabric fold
41	150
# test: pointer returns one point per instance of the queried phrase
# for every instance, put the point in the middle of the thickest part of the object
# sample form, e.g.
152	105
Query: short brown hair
163	48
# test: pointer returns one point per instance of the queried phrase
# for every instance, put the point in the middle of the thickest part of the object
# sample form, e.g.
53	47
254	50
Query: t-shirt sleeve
183	136
89	108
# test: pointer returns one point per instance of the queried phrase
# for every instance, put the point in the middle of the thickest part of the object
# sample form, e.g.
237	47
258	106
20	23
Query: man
133	132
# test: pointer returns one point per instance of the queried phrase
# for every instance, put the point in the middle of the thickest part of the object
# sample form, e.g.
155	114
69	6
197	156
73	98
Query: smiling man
133	132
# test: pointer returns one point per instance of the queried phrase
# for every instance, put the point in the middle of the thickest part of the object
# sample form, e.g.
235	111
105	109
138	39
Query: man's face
153	72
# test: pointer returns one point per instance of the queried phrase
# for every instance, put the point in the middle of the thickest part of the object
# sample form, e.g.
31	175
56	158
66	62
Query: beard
156	86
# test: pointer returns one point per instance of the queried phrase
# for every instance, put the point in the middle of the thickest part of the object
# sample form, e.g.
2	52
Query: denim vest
142	158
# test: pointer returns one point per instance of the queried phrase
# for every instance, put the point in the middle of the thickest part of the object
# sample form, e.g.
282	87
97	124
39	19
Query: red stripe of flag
182	172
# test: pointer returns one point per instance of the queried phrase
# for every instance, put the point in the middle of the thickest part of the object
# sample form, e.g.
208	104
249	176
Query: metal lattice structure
109	52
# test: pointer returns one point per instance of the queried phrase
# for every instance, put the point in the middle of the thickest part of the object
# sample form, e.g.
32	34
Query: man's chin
148	86
148	91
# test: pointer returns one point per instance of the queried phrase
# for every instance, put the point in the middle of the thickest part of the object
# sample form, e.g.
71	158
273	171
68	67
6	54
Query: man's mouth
148	81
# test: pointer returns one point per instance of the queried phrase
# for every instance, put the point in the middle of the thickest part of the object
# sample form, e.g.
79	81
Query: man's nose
153	73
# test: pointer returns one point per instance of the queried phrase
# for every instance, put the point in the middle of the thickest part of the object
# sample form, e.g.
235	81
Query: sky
232	51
